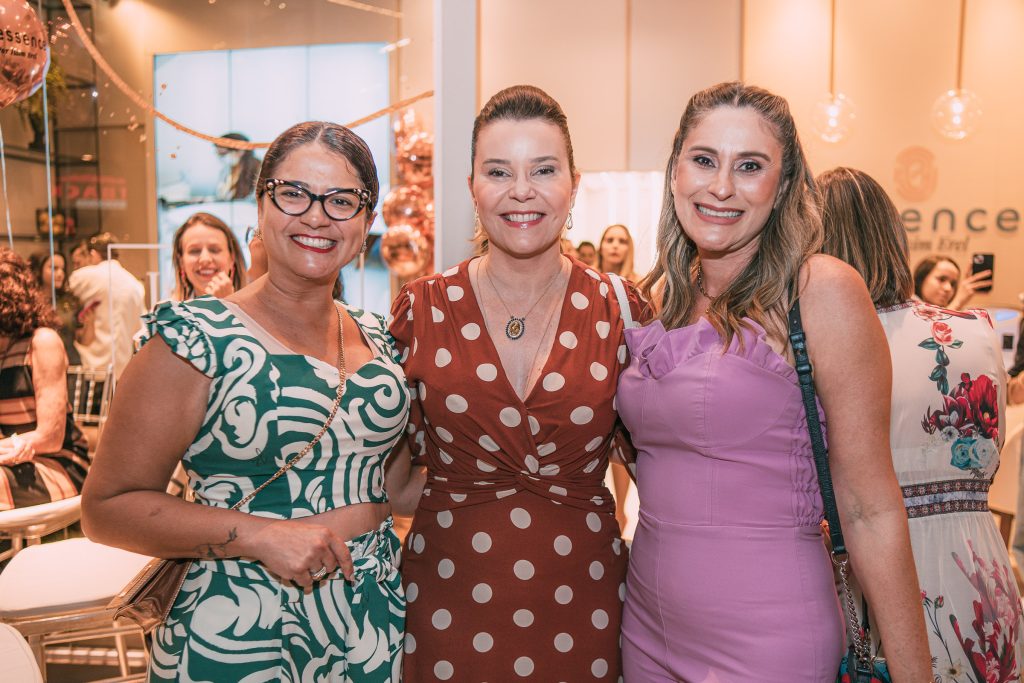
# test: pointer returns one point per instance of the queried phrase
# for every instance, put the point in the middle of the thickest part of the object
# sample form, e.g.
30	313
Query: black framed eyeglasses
339	205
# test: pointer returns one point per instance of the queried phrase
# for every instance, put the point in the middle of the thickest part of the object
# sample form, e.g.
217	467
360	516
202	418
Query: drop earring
568	221
362	250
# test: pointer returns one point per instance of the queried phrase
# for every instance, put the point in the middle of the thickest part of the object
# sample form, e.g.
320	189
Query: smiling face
940	284
312	246
522	185
726	180
204	253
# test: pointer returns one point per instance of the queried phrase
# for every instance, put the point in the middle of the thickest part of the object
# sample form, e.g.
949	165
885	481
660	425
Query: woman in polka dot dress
514	567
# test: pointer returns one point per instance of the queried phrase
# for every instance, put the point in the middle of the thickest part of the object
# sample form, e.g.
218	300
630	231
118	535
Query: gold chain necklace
700	288
515	328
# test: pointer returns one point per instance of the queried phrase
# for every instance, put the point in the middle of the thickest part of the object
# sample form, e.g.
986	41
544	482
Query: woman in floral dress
949	391
514	567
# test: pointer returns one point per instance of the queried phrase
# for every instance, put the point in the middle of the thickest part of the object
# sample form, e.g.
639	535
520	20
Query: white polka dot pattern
486	531
553	381
456	403
510	417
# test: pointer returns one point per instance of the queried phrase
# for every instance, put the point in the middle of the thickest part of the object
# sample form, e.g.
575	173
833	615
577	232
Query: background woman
43	455
207	259
729	579
937	281
51	275
235	388
587	253
948	367
615	252
514	566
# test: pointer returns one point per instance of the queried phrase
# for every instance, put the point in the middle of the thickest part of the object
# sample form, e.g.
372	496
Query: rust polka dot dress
514	568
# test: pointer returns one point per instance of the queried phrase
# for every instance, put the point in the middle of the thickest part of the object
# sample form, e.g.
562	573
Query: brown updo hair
522	103
334	137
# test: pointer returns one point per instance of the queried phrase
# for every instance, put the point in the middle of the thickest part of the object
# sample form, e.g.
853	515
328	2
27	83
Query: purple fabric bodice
721	438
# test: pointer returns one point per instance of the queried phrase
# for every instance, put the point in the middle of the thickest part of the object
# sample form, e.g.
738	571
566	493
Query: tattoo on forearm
214	551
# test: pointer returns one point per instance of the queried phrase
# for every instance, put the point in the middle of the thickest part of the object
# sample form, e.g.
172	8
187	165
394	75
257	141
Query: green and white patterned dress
233	620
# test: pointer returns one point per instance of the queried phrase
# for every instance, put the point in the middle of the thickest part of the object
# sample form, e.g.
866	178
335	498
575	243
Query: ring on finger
319	574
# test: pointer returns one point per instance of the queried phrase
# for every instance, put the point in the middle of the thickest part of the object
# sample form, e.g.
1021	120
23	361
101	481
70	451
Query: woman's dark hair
183	288
39	261
522	103
337	139
925	268
863	227
22	309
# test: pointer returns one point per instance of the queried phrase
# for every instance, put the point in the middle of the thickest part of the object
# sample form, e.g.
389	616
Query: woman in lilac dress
729	580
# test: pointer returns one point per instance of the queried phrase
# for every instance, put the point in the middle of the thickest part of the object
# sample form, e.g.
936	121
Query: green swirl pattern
232	620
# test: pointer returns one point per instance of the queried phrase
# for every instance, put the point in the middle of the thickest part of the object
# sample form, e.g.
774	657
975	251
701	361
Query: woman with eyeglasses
278	379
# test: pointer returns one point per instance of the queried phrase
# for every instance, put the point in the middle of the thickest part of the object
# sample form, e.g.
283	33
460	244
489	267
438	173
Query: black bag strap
805	372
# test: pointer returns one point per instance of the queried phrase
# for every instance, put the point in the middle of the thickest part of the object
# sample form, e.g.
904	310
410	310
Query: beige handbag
149	596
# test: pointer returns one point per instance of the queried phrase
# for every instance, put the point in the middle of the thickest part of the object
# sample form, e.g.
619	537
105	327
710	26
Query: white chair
58	593
19	664
89	392
27	525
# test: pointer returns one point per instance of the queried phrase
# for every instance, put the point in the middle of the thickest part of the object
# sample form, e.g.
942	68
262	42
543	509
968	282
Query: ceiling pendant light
833	114
956	113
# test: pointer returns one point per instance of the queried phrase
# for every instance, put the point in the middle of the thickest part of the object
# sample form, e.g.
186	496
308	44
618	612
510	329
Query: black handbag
858	665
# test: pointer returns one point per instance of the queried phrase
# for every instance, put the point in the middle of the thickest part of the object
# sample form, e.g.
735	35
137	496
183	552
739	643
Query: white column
455	98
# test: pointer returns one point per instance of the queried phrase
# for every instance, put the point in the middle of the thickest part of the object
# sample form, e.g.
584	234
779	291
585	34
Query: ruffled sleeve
401	321
402	332
184	332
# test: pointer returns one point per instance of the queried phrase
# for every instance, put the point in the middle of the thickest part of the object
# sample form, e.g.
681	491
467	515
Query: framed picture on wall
63	222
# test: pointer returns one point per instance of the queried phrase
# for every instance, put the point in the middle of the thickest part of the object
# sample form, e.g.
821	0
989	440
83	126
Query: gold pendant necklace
515	328
700	288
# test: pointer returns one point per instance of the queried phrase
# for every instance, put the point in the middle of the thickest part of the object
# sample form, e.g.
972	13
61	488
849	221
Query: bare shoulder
826	281
46	340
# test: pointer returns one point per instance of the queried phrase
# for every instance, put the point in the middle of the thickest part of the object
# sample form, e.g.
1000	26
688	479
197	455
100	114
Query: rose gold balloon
415	161
24	57
406	251
407	205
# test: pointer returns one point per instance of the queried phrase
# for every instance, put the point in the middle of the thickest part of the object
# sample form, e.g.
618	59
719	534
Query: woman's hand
15	450
295	551
969	287
220	285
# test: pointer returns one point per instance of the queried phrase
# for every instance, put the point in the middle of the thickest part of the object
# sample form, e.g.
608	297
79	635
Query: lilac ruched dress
729	580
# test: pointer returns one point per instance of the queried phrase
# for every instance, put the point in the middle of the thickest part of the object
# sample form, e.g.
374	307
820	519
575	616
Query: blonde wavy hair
626	267
767	287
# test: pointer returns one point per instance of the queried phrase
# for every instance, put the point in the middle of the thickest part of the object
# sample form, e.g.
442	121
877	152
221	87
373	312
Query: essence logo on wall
945	230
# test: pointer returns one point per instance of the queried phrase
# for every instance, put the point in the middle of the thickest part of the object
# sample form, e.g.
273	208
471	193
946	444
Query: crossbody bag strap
620	294
323	429
805	372
860	641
